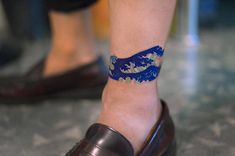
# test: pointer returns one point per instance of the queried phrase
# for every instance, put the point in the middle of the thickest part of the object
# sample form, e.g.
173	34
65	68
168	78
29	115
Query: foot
131	109
59	62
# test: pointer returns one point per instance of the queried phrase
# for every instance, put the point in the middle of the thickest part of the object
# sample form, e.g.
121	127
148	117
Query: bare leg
72	42
137	25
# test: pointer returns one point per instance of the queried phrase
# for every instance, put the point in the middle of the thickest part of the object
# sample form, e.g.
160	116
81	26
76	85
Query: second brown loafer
86	81
101	140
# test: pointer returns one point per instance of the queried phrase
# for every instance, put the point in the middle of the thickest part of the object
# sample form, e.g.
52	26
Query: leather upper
101	140
33	84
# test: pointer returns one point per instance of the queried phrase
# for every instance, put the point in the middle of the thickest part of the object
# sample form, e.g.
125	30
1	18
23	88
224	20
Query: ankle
137	100
126	106
59	61
118	91
71	52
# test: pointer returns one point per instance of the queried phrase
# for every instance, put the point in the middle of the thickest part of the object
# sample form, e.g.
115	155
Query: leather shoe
101	140
86	81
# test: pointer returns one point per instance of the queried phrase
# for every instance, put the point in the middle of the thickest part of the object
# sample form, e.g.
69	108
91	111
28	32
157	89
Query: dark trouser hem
68	6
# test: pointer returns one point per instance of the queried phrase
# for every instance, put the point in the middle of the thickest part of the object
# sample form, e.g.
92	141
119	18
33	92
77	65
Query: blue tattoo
142	67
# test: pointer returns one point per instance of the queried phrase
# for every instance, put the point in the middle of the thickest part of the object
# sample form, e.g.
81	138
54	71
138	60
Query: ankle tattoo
141	67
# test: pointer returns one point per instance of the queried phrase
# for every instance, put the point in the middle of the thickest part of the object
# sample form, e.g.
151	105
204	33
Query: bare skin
130	108
72	42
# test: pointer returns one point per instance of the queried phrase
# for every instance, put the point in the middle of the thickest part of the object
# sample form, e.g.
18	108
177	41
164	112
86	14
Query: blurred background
197	79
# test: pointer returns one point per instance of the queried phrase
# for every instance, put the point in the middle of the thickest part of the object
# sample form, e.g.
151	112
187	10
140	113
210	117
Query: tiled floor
198	83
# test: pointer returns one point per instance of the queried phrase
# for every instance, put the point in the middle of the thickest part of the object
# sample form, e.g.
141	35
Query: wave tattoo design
142	67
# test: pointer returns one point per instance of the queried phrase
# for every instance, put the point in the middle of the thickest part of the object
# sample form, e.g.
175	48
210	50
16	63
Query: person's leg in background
131	104
72	38
72	63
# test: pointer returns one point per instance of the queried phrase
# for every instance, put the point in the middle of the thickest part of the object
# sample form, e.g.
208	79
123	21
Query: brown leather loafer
101	140
83	82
